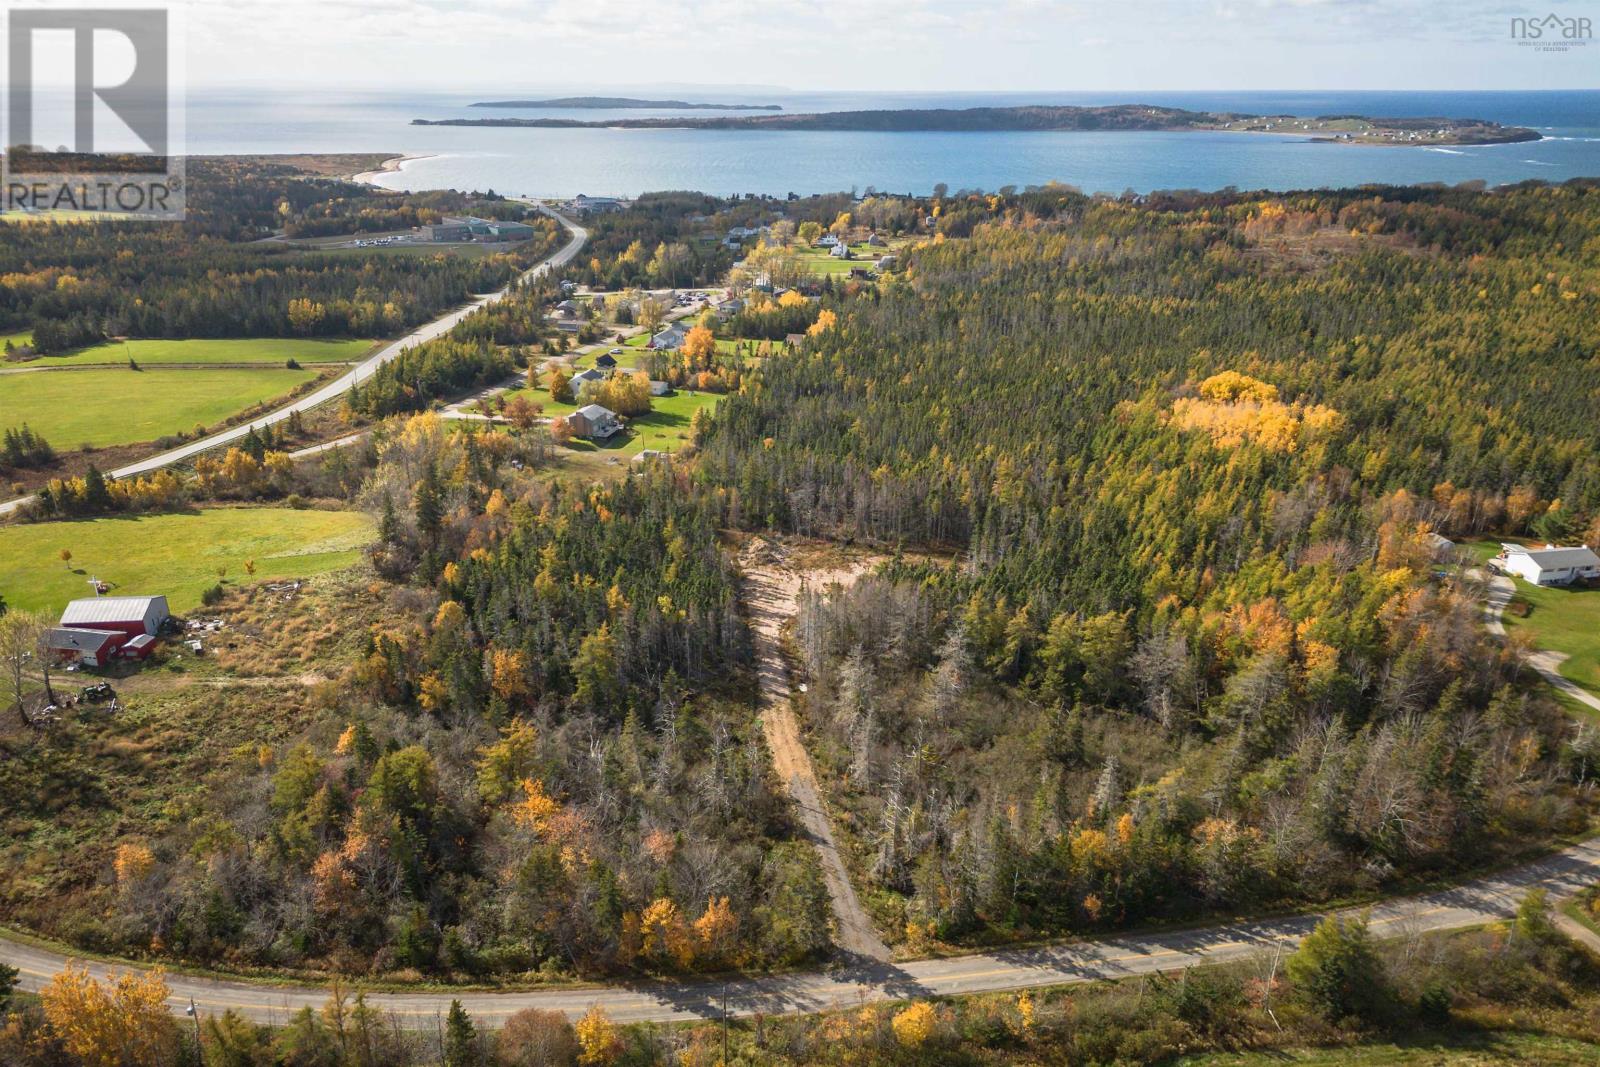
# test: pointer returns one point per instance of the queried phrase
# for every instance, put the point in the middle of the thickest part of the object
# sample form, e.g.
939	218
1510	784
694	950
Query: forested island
1350	129
616	103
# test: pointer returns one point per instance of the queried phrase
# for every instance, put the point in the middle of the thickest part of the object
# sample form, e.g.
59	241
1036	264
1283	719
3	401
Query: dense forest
664	240
74	283
1160	631
536	755
1190	651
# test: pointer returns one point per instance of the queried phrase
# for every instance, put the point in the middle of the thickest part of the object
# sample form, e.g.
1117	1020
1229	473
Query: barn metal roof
90	610
79	638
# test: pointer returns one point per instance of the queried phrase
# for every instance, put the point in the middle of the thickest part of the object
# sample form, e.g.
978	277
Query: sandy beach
389	166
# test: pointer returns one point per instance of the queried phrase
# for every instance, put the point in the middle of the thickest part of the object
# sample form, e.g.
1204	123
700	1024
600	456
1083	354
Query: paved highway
1473	903
342	385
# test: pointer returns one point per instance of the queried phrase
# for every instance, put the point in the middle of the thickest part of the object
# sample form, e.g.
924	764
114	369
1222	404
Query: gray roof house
671	337
594	422
584	377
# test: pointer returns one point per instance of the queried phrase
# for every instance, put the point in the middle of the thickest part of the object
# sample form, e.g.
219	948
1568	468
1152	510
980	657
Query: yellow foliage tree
666	935
914	1025
124	1023
508	669
537	808
825	321
598	1043
133	861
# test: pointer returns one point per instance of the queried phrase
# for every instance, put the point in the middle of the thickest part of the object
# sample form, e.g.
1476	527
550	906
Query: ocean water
619	162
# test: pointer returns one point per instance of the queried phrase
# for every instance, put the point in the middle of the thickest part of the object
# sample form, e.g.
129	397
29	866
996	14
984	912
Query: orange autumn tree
699	346
667	938
717	930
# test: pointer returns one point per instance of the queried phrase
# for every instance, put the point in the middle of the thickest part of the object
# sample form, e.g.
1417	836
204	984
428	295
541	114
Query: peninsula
1344	129
624	103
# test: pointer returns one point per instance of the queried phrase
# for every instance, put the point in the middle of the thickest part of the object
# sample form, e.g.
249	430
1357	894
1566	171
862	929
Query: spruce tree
460	1038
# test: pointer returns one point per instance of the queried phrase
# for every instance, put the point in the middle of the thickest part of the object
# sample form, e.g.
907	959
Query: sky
880	45
885	45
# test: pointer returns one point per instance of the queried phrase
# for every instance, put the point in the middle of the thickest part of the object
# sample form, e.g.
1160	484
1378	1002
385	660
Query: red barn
138	648
92	648
131	615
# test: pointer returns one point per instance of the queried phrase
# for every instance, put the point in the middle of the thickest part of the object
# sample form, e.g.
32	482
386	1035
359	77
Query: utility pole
194	1013
724	1022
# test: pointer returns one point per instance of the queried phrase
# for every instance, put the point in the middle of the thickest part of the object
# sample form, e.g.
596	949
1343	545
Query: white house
827	240
671	337
584	377
1550	565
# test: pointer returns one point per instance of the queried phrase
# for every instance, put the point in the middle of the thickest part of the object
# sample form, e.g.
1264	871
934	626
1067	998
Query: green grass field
118	407
268	351
1561	620
665	428
820	261
173	554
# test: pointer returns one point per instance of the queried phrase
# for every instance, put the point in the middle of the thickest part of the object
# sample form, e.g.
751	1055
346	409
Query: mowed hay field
267	351
174	554
120	407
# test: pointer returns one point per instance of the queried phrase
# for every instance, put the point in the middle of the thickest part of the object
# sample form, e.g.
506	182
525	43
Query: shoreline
392	165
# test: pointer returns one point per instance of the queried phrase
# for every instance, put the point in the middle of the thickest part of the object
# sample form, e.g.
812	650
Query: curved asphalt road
1476	902
342	385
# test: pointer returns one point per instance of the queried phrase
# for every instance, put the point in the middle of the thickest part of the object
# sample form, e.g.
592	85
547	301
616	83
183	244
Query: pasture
267	351
178	554
119	407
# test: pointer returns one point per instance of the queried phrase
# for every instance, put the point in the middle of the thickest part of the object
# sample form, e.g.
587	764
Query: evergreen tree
461	1047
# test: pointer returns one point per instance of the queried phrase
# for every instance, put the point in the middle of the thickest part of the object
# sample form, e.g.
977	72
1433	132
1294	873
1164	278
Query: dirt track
772	591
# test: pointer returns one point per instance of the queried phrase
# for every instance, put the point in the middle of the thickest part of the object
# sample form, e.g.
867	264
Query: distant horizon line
568	91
